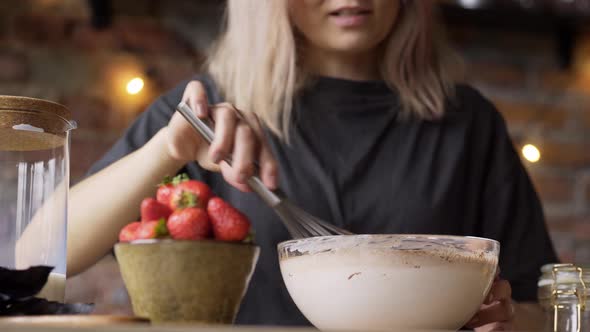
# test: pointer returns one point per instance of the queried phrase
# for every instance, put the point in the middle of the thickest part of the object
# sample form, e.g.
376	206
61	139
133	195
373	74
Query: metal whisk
299	223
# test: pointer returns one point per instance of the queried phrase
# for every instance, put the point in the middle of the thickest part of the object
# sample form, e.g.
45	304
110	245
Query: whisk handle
268	196
200	125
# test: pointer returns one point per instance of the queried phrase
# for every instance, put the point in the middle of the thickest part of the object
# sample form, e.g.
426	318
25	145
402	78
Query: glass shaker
565	298
34	182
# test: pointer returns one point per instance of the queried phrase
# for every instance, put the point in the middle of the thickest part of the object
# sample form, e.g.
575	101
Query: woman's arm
103	203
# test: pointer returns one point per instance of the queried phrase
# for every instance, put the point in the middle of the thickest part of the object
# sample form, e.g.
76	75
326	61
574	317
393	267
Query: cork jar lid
28	124
19	103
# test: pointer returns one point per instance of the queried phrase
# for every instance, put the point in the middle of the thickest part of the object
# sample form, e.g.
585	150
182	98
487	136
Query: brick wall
50	50
545	106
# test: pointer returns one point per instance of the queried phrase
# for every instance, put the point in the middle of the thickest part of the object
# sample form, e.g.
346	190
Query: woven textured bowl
176	281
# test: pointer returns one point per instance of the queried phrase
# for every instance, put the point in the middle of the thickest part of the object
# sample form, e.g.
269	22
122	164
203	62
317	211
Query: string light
135	86
470	4
531	153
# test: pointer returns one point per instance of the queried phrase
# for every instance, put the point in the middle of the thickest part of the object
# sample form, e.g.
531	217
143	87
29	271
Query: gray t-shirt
354	161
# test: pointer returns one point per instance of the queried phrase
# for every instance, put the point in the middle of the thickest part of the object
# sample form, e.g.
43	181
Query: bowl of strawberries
189	258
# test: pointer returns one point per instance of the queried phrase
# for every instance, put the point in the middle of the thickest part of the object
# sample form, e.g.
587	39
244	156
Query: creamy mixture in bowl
380	282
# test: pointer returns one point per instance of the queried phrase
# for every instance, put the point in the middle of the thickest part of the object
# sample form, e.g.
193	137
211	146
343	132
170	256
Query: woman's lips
350	18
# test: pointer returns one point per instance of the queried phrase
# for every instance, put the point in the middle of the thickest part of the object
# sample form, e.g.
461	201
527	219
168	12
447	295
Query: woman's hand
236	133
497	312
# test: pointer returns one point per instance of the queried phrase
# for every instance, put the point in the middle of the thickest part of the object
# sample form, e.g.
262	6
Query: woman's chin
351	45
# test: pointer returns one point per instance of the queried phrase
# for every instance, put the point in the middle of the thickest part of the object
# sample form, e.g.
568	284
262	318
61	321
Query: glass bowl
382	282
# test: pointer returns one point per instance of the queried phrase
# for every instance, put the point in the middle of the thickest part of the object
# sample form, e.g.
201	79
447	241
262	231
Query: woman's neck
356	67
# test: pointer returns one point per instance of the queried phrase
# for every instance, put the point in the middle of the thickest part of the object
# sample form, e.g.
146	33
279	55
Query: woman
350	107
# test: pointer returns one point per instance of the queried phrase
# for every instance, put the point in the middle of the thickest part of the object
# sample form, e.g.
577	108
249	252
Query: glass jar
34	177
564	297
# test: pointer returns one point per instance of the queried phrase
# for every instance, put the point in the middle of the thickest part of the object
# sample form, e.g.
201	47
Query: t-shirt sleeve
143	128
154	118
512	213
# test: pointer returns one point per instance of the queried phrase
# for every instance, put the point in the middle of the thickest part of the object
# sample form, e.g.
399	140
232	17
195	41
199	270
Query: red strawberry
166	187
151	209
181	197
127	233
164	193
189	224
151	229
228	223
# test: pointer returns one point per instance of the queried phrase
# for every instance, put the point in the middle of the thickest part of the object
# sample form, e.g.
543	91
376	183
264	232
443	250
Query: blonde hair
255	67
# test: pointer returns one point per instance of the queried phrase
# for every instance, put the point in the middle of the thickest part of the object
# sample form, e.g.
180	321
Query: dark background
531	58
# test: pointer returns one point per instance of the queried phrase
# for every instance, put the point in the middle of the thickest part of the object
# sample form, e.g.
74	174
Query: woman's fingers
268	167
267	162
236	138
243	164
247	147
500	311
226	171
196	97
184	144
497	307
225	127
245	153
500	290
237	134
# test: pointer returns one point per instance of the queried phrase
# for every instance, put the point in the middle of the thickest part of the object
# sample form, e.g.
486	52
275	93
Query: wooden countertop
92	323
164	328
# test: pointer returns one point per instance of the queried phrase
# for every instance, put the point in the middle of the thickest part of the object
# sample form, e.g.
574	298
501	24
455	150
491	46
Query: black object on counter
19	287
